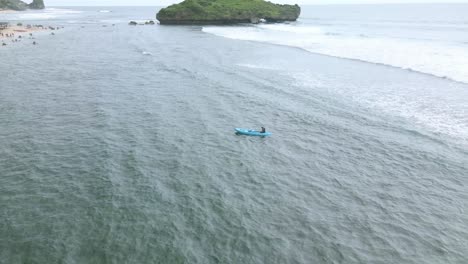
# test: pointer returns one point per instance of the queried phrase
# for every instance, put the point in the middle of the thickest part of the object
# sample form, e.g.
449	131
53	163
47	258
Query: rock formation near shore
203	12
19	5
37	4
13	5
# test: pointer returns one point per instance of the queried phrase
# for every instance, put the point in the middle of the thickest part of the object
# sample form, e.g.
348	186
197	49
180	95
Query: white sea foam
48	13
292	29
256	66
442	111
442	59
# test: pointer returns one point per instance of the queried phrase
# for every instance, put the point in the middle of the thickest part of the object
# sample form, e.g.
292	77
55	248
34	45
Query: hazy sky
167	2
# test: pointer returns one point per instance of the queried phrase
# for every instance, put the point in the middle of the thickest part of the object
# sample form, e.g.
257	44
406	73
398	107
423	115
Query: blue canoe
250	132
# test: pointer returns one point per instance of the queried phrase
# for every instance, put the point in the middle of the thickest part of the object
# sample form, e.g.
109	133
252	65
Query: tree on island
227	12
37	4
20	5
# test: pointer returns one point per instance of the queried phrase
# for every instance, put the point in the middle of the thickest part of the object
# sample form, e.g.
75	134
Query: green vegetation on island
37	4
227	12
19	5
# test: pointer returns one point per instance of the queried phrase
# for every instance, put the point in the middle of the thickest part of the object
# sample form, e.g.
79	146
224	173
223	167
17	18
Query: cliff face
37	4
20	5
226	12
13	5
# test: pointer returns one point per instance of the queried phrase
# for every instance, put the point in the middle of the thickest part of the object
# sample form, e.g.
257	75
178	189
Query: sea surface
117	141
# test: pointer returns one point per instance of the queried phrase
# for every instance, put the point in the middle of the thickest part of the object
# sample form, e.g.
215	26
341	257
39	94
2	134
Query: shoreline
13	32
19	32
7	11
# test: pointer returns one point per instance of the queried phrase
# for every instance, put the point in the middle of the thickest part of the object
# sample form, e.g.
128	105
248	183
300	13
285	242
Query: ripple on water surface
126	158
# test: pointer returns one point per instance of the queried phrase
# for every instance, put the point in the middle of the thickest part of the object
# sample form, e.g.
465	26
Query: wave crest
445	60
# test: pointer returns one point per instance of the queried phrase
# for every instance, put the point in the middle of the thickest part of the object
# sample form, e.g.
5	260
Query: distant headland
19	5
205	12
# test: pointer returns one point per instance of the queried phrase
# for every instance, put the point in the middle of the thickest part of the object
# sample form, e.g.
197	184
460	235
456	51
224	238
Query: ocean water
117	142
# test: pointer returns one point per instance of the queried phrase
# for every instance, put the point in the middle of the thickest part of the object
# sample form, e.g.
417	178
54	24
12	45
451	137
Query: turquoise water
118	147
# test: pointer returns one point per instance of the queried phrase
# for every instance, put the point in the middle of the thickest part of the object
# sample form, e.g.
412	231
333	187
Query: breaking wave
441	59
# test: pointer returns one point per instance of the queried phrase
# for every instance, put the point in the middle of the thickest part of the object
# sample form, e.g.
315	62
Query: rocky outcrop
20	5
13	5
134	23
203	12
37	4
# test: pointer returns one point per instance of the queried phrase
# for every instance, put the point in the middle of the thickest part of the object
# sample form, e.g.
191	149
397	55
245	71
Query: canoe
251	132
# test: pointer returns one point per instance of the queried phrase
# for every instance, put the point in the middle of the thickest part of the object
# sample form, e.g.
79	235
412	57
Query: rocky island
19	5
205	12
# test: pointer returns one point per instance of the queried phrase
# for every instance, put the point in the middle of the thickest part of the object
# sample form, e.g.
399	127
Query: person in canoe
262	130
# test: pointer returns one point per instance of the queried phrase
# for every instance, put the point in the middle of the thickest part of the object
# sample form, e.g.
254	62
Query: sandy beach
7	11
18	32
13	32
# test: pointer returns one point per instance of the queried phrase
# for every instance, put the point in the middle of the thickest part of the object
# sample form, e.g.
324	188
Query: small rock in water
149	22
